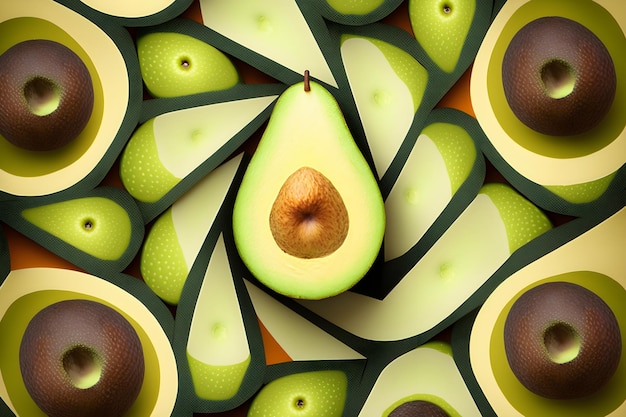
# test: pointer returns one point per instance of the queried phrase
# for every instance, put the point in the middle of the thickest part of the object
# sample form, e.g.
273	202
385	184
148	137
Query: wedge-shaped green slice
168	147
495	224
100	230
439	163
300	339
388	85
176	237
427	373
276	30
217	348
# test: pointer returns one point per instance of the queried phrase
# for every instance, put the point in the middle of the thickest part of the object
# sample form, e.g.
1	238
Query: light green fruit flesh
176	64
276	30
453	269
582	193
141	170
441	34
172	145
173	242
307	129
522	219
315	393
440	161
356	7
388	85
427	373
95	225
298	337
217	346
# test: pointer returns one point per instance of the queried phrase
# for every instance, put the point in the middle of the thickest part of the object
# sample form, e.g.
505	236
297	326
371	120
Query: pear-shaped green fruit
168	147
96	225
308	217
314	393
276	30
388	85
440	161
427	373
217	347
441	28
495	224
173	242
176	64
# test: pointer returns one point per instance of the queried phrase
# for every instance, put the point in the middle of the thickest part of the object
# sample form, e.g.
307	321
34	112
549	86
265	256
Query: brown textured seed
418	408
558	77
47	95
562	340
308	218
68	340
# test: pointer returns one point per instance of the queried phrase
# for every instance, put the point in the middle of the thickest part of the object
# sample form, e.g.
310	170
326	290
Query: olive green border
175	9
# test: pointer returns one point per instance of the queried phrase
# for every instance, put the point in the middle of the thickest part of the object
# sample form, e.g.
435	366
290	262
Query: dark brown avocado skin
418	408
585	312
90	324
561	40
48	63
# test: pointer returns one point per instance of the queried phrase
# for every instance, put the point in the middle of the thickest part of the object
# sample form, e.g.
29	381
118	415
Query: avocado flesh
27	291
307	129
424	293
28	173
426	373
569	263
217	345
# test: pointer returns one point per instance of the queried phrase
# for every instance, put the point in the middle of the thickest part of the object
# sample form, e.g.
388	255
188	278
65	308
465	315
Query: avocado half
601	274
26	291
106	53
562	164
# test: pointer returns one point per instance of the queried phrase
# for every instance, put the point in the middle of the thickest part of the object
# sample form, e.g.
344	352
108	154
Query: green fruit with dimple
175	64
441	27
314	393
98	226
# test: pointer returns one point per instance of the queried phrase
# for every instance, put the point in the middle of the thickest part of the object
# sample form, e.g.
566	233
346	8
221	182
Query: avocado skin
560	39
418	408
77	322
58	65
600	340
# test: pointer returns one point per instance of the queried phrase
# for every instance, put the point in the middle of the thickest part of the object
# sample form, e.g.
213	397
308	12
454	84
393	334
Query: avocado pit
558	77
562	341
47	95
308	218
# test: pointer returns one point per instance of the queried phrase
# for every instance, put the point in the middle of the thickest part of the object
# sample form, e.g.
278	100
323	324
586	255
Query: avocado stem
307	84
